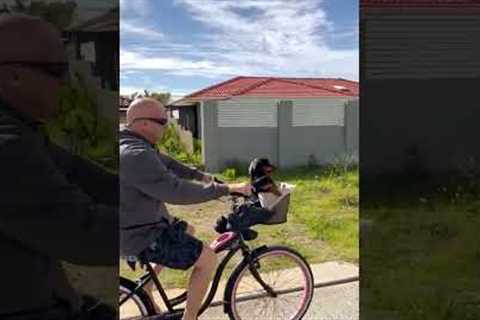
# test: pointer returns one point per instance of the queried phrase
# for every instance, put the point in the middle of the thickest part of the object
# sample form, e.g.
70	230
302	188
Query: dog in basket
251	212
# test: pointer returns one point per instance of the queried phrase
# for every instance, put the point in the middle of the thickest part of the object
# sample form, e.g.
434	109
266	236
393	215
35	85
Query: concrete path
339	302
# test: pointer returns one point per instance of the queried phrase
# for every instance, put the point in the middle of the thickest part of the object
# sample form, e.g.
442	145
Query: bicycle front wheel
137	305
276	285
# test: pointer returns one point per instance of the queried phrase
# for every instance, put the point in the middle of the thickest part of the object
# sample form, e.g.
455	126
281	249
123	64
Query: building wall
352	129
436	119
411	44
189	119
418	99
311	142
199	120
227	138
224	145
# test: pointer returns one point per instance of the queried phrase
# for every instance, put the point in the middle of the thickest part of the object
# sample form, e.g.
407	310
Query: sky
180	46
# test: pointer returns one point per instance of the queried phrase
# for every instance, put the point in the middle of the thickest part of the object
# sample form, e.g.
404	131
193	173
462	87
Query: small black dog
251	212
260	171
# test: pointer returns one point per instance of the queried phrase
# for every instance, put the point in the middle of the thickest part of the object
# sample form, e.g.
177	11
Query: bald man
148	180
50	209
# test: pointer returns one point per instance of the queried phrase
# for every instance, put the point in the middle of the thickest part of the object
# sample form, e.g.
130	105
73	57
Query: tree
163	97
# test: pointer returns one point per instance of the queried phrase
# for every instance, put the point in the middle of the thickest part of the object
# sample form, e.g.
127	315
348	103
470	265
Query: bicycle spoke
298	277
284	306
281	307
284	302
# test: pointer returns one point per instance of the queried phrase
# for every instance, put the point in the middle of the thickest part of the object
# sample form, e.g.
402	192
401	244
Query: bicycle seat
224	241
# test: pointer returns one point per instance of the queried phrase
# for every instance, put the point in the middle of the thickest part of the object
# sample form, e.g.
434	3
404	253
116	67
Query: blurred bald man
148	180
50	209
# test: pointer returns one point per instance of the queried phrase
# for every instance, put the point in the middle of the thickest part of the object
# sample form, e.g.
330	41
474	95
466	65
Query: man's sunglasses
58	70
160	121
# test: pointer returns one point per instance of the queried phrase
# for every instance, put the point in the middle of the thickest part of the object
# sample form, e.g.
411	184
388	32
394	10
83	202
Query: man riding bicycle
148	180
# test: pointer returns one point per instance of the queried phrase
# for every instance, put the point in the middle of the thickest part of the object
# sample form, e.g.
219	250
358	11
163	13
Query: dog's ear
254	169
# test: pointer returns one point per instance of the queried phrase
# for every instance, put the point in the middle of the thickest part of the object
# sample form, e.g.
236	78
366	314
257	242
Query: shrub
240	167
78	127
172	145
230	174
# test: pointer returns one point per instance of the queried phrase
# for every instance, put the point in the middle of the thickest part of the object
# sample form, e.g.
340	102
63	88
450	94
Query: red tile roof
420	3
276	87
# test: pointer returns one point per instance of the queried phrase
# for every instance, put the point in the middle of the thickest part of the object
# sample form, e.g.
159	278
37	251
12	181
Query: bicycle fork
253	266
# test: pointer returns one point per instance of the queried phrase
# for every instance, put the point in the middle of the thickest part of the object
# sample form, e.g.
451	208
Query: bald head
33	65
145	108
29	39
144	116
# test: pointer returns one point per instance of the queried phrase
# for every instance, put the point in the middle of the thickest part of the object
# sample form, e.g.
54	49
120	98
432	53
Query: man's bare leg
150	286
199	281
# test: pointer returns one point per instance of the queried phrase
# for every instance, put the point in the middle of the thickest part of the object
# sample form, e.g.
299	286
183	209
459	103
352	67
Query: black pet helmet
257	166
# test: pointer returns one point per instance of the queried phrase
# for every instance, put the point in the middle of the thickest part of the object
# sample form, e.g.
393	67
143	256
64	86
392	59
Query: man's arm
98	183
181	170
42	211
143	170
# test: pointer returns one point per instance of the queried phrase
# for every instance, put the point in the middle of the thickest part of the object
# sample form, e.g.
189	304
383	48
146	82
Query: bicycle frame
171	303
241	245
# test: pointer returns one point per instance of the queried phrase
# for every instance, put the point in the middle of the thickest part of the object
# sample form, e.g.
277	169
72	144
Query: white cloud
251	37
127	90
134	9
130	60
128	27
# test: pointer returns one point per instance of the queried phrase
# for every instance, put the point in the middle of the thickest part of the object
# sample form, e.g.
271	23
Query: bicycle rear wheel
286	293
138	305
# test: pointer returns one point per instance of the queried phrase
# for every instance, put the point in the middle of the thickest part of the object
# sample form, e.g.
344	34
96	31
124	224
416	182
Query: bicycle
253	279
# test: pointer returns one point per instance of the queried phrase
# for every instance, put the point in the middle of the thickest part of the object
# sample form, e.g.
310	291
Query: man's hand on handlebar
240	188
235	188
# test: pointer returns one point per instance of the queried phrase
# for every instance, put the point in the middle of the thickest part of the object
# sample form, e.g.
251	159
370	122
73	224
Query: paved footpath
338	302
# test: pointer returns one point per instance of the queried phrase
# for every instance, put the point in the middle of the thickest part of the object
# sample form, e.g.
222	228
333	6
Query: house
93	49
420	75
96	41
291	121
124	102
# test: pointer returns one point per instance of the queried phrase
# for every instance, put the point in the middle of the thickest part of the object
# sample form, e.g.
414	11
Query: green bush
78	128
230	174
172	145
240	167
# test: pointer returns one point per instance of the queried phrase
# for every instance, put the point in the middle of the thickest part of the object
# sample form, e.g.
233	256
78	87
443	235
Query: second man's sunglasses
58	70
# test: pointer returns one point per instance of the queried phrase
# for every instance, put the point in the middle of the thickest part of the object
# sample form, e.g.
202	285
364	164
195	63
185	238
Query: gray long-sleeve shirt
47	214
148	180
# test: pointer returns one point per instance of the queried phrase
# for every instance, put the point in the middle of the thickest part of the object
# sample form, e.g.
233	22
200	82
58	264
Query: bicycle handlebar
215	179
233	194
238	194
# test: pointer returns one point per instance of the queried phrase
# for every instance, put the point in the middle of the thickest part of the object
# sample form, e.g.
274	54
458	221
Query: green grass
322	222
433	266
327	203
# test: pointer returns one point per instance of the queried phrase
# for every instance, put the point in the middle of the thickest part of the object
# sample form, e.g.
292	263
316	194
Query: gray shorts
174	248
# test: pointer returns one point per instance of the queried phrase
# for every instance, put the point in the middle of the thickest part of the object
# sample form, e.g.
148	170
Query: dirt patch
293	233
